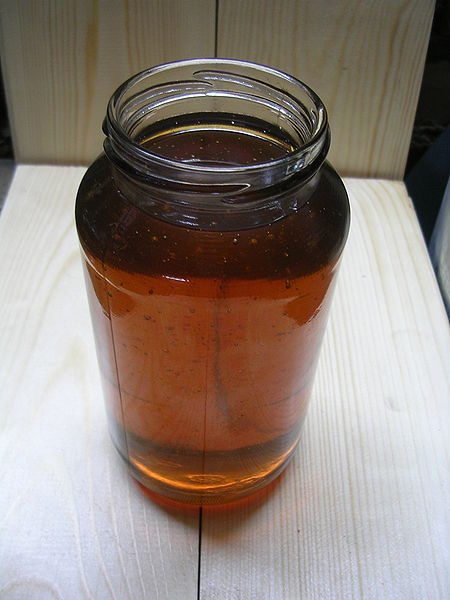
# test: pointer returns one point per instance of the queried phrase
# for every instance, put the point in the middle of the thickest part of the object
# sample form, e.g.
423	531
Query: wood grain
365	60
62	61
72	523
360	513
362	510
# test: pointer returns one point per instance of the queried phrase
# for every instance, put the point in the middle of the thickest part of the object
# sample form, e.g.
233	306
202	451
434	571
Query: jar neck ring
237	87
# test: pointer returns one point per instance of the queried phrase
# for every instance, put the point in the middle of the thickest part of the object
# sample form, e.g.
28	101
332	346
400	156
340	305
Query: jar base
207	492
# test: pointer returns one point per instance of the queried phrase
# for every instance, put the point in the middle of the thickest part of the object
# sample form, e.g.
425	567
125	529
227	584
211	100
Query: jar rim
120	144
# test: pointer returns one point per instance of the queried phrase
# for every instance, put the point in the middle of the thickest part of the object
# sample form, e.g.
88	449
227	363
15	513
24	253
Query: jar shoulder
114	229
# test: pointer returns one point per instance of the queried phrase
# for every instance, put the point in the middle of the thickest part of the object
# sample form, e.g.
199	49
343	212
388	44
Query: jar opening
216	94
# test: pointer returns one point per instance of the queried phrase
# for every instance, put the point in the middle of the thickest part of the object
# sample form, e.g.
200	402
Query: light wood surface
72	524
365	60
362	510
62	60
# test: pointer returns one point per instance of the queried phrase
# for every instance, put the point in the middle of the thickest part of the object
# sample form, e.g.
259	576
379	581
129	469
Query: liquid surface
207	340
224	144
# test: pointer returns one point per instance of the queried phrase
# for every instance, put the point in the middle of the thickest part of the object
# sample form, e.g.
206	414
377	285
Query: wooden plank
61	62
365	60
72	523
362	511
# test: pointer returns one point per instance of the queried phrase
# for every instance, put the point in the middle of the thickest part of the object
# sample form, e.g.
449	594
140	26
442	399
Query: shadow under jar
211	230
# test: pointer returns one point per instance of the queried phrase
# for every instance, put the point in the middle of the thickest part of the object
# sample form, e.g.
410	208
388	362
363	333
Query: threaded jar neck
231	94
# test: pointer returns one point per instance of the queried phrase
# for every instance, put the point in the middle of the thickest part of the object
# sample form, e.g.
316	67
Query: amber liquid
207	340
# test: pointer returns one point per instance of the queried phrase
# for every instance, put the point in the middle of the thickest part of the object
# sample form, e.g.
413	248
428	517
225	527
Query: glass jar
211	230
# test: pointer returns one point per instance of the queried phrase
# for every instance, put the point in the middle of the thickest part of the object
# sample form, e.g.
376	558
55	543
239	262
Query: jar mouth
211	86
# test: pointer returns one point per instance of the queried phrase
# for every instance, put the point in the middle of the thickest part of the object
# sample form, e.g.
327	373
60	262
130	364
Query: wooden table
362	510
